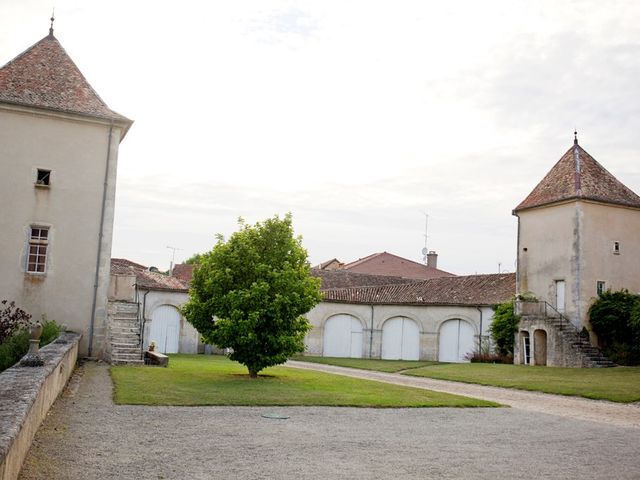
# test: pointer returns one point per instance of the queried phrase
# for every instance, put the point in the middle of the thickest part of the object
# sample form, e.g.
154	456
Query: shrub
17	345
13	349
615	318
12	319
477	357
50	331
504	327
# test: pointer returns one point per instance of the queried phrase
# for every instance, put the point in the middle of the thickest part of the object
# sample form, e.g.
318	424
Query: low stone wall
26	395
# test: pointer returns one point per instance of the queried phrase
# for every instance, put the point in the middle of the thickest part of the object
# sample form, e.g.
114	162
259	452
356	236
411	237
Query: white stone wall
429	319
189	336
75	150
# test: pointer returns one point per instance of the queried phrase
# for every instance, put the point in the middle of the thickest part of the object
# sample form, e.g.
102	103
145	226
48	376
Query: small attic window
43	178
616	248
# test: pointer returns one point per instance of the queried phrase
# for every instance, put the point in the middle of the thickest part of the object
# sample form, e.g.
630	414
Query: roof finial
53	18
575	137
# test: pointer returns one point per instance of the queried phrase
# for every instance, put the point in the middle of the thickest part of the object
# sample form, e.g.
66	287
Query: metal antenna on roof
53	18
425	250
173	258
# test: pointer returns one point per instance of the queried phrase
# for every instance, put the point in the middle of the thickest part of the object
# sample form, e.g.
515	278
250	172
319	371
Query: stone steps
127	362
124	334
591	356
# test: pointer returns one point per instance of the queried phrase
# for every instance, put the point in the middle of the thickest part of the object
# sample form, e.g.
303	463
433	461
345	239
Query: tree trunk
253	373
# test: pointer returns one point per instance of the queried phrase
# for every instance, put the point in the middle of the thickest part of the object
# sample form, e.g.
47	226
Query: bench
156	358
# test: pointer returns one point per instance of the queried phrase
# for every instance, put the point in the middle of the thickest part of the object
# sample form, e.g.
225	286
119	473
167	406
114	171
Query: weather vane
53	18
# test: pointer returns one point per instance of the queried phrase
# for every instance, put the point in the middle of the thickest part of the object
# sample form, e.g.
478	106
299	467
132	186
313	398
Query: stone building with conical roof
578	235
58	150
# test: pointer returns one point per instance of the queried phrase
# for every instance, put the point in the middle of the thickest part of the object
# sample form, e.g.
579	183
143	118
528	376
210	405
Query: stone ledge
26	395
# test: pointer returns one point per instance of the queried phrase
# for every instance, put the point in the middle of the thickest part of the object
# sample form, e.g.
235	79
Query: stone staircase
571	347
591	356
124	334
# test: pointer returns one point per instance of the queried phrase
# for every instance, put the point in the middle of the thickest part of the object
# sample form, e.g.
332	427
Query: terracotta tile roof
332	264
146	279
386	263
577	175
183	271
463	290
44	76
345	278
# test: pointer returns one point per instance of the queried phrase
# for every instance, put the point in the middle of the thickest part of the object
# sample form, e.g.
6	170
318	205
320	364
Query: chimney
432	259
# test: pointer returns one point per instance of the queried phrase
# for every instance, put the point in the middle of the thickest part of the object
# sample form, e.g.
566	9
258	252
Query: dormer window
616	248
43	178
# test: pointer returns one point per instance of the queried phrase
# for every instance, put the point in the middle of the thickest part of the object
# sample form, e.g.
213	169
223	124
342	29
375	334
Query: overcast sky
356	116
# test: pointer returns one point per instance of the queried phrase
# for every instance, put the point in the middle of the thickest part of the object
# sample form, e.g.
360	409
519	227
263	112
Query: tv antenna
425	250
173	258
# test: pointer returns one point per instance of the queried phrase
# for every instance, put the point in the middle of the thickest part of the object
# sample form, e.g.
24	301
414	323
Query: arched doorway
400	339
456	341
540	347
165	329
342	337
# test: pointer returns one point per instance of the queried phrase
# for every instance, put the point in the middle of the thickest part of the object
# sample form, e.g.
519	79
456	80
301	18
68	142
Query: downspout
144	321
578	280
371	334
100	235
480	336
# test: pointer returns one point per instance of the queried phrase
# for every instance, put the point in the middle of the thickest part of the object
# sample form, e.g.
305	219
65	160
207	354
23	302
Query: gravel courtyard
86	436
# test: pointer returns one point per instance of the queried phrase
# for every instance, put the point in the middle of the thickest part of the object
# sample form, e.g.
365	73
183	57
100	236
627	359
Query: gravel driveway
86	436
623	415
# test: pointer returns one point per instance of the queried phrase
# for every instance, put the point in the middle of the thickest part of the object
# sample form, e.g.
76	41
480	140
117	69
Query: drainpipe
480	336
100	235
144	321
371	334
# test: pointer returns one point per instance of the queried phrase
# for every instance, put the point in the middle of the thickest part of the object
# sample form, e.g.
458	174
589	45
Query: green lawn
389	366
620	384
215	380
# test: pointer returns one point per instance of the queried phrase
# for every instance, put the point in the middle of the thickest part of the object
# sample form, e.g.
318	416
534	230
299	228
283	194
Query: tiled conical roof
577	175
44	76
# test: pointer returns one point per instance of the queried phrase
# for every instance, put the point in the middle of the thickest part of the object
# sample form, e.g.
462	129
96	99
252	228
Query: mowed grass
389	366
215	380
619	384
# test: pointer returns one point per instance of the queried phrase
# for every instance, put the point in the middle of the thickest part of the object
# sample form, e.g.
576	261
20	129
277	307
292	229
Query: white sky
356	116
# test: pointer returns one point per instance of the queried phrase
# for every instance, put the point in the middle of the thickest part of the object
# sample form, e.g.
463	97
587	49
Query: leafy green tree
504	327
249	294
194	259
615	318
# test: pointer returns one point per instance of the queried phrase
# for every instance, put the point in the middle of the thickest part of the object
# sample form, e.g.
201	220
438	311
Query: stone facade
59	154
429	319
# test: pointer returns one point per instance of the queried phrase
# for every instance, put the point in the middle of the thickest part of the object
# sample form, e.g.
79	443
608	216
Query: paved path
87	437
623	415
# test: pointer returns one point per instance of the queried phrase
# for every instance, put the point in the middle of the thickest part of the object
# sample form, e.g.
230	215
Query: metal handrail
547	307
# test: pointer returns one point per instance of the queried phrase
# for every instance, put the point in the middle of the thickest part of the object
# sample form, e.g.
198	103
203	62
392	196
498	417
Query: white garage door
456	341
342	337
165	329
400	339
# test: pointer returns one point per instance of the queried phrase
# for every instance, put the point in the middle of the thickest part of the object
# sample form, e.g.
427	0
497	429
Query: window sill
41	185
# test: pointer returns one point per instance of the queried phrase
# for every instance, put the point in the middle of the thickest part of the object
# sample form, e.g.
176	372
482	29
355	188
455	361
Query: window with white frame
38	245
600	287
